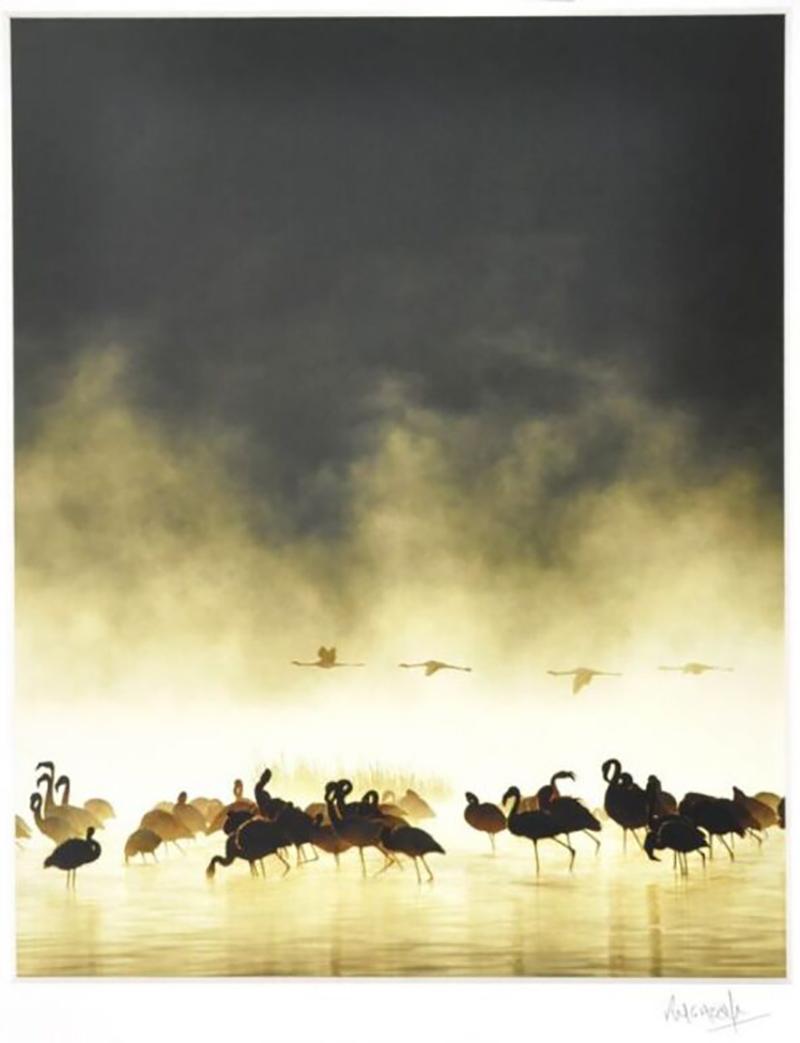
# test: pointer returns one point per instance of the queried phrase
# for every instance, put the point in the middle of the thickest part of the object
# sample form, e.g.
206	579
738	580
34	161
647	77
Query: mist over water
160	599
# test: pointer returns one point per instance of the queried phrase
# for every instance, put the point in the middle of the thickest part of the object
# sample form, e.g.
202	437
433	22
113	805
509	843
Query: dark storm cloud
277	217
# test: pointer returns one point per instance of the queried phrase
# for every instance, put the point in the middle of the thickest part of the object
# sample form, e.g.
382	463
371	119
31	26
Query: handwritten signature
726	1014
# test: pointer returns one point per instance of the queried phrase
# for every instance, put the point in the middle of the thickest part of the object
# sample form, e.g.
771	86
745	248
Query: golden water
615	915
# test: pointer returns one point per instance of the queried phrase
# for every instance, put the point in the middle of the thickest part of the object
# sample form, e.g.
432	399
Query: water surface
616	915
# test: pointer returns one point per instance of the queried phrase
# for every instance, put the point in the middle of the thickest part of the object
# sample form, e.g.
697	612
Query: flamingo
99	808
625	803
415	807
253	841
771	799
189	815
568	812
373	809
660	803
696	668
486	818
533	825
325	837
582	676
268	806
326	660
49	777
231	816
57	829
74	853
142	842
678	834
167	826
431	666
716	815
760	812
414	842
358	830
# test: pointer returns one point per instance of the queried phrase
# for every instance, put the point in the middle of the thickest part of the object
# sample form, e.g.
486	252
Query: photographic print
399	497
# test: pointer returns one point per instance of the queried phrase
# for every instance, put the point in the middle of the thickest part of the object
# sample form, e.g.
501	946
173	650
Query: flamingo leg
636	838
336	856
430	874
702	855
624	839
491	841
569	848
155	856
728	849
536	854
674	860
287	867
419	878
178	846
753	833
363	863
143	858
710	845
594	839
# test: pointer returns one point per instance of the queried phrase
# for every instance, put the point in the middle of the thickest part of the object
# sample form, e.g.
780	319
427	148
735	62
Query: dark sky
278	215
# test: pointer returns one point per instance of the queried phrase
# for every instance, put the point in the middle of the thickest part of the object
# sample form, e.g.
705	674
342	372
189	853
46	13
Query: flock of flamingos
255	829
268	825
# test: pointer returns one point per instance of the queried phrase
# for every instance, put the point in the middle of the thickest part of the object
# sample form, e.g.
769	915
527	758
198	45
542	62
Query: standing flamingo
486	818
74	853
625	802
533	826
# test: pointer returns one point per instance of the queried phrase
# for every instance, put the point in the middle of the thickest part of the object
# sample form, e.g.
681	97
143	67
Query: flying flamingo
326	660
696	668
432	665
74	853
583	675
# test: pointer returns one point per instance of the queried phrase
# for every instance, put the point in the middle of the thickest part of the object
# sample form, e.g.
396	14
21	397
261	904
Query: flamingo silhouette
716	815
486	818
57	829
326	660
253	841
231	816
142	842
582	676
533	826
680	835
415	807
74	853
414	842
625	802
188	814
696	668
568	812
357	829
167	826
432	665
